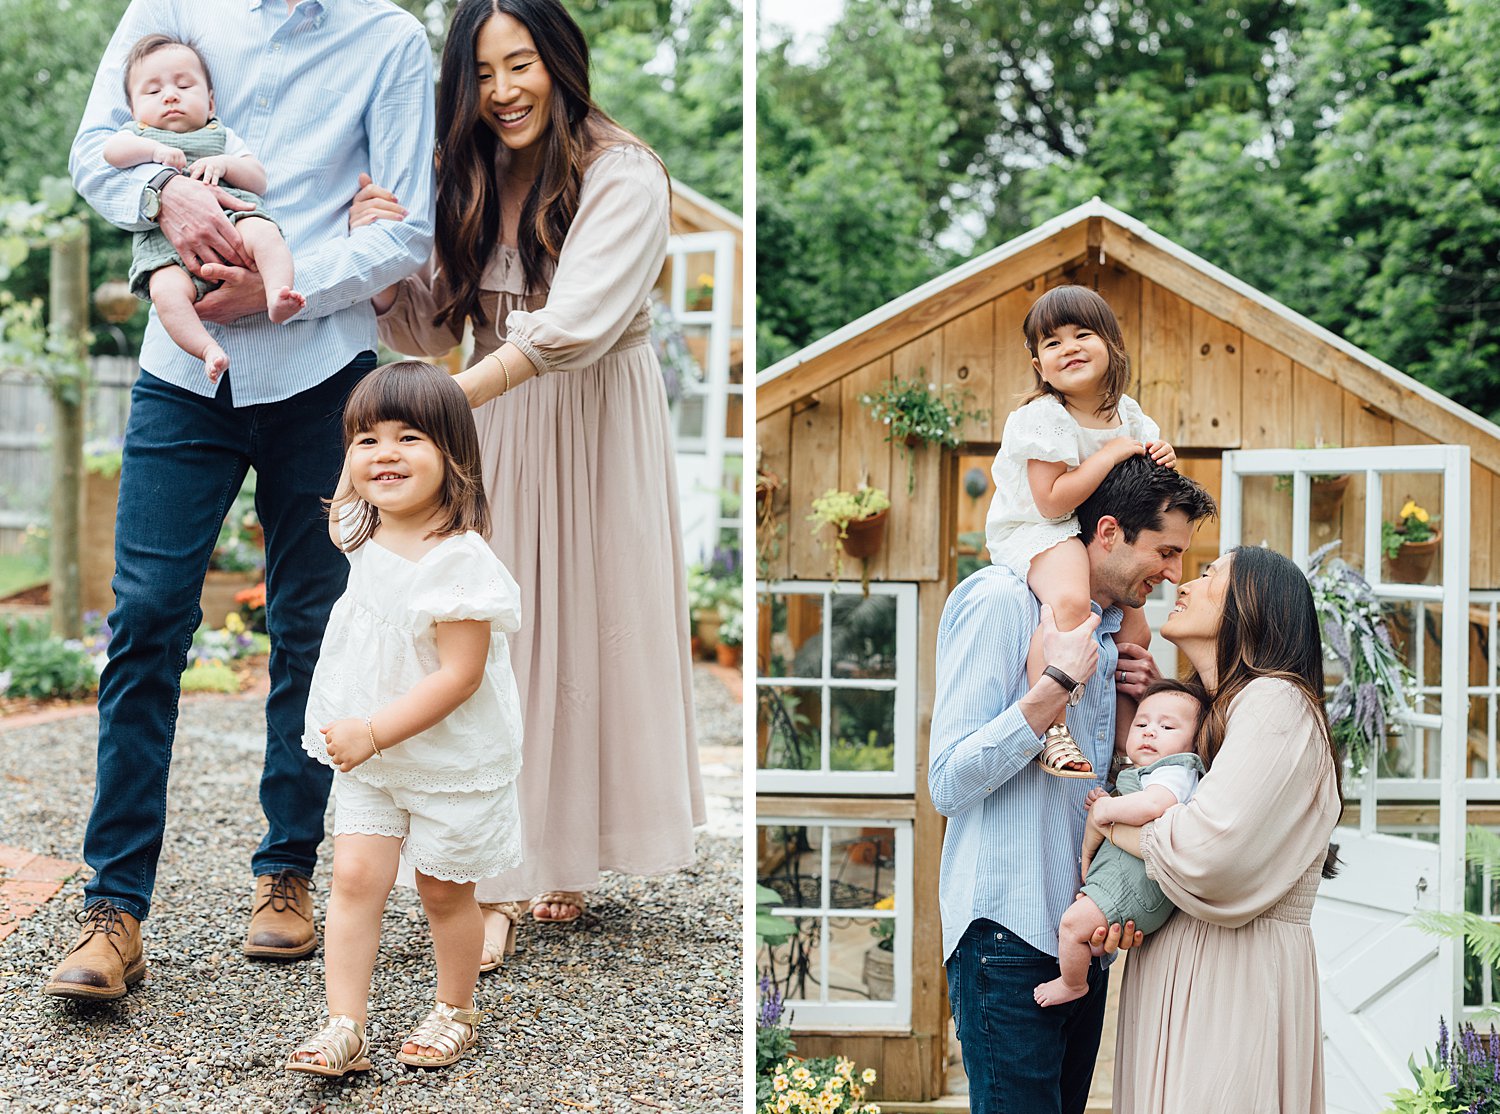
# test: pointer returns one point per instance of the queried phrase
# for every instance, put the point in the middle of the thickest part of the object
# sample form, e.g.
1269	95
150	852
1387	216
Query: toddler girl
1164	772
1075	426
172	98
414	704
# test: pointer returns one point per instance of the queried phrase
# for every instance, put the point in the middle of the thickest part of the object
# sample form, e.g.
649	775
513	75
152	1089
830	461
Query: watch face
150	203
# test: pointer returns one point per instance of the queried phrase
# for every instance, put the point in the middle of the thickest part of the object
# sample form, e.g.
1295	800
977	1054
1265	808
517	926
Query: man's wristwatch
1075	688
151	195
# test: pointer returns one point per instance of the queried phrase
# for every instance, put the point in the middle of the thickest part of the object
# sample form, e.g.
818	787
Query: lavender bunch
773	1040
1377	686
1473	1063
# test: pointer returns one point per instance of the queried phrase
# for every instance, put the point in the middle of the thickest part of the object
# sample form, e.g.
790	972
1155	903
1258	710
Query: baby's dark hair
425	398
1082	308
148	45
1184	688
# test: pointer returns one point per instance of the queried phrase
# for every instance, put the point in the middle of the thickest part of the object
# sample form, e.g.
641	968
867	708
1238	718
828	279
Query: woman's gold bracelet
499	359
371	729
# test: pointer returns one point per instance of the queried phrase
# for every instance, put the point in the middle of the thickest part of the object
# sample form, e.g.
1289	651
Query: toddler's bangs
399	392
1069	305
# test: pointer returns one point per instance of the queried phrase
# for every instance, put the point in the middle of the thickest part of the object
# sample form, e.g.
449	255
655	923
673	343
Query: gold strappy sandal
1059	749
341	1043
498	950
447	1028
558	897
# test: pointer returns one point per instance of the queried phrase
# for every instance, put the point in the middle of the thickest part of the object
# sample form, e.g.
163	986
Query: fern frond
1480	937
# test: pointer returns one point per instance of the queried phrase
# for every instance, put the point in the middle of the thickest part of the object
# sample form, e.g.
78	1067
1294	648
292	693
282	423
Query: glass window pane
796	648
851	950
864	636
863	730
788	861
862	861
690	415
795	965
789	723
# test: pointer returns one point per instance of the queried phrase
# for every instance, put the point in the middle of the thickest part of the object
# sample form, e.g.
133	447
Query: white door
702	302
1384	983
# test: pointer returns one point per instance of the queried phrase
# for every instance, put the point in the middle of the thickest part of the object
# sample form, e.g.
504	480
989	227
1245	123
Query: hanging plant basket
1327	495
862	536
1414	560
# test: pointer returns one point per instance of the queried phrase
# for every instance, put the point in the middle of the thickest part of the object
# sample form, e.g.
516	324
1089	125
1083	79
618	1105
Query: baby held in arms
1164	772
171	96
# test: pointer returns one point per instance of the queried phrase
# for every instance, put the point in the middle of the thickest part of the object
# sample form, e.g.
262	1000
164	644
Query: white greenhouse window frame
820	1014
901	780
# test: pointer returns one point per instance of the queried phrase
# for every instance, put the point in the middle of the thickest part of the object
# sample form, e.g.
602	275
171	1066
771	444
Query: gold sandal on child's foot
498	948
448	1029
1059	750
342	1045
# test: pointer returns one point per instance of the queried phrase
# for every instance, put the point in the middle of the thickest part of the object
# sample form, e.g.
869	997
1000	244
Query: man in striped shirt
1010	863
323	90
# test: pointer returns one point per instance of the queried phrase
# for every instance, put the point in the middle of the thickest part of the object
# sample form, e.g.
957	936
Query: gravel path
634	1008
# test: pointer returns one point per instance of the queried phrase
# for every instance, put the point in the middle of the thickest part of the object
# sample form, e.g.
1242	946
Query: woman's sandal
447	1028
557	897
1058	750
342	1045
496	951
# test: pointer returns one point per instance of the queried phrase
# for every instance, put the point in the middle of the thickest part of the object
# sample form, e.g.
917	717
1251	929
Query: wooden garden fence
25	433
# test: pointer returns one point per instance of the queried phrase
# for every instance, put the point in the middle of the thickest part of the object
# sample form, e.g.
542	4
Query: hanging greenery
1377	685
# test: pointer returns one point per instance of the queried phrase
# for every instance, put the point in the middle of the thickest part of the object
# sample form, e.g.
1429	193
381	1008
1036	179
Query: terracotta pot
1414	560
864	535
912	440
880	973
729	656
706	625
1327	496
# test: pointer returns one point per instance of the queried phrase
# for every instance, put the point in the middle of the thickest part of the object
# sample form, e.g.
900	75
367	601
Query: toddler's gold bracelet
371	729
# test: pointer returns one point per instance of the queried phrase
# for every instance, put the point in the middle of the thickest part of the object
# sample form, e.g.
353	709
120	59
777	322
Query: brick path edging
27	881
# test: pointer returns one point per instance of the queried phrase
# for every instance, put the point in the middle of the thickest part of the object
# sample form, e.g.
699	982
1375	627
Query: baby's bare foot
215	362
288	302
1056	992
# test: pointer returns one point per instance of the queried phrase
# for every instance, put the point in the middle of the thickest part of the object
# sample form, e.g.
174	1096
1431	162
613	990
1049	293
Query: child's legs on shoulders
1058	577
175	296
1021	1058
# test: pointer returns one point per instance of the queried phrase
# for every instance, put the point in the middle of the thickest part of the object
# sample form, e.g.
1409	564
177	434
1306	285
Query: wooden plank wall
1208	384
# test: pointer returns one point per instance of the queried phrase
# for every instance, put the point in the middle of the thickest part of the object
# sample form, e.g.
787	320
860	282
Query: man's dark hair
1137	493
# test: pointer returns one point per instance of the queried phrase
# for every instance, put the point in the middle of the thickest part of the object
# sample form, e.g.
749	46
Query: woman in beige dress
1219	1009
551	228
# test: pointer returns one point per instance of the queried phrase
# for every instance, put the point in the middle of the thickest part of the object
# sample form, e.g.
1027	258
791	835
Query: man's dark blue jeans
185	458
1021	1058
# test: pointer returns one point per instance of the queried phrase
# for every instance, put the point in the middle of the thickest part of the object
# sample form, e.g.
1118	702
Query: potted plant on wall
731	634
857	519
1410	543
918	412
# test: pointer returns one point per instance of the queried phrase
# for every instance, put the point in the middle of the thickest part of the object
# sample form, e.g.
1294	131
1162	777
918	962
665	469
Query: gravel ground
634	1008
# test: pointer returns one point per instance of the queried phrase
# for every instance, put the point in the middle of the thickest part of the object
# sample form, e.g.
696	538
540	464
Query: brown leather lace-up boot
281	918
106	961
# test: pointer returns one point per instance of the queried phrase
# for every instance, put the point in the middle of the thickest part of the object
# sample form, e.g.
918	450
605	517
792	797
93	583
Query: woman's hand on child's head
348	743
372	203
168	156
1075	652
1162	453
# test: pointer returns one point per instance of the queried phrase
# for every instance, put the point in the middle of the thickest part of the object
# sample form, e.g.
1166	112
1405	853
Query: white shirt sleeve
1179	779
234	146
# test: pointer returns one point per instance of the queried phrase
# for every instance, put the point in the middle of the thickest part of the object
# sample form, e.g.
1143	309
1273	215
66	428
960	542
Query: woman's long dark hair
468	196
1269	629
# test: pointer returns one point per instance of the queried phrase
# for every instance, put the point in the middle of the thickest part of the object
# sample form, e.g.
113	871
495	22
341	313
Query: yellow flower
801	1074
1420	515
233	623
868	1075
779	1083
872	1109
1410	508
886	902
705	280
781	1105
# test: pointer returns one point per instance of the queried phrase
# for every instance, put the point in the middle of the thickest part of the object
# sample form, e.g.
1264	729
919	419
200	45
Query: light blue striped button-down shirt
333	88
1011	851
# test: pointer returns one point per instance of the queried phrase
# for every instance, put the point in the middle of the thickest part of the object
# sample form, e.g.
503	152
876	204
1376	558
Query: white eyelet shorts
457	837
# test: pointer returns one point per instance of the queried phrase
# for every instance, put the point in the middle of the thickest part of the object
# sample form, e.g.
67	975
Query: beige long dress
1219	1009
580	474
